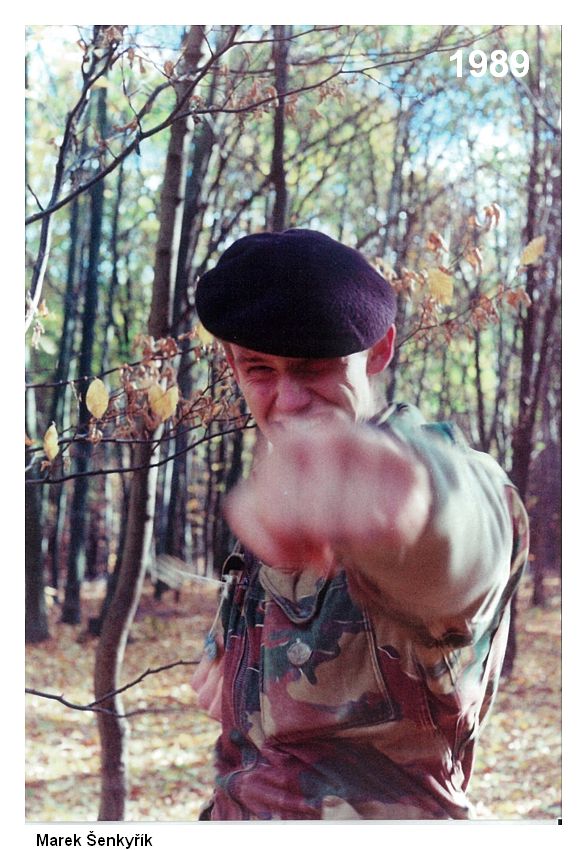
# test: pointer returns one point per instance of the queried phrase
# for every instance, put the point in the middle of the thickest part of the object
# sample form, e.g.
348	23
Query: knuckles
350	483
339	445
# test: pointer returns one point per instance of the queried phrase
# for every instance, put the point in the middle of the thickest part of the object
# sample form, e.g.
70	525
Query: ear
381	354
229	353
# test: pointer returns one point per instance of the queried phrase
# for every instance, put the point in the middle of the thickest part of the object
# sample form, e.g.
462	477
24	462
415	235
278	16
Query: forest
436	151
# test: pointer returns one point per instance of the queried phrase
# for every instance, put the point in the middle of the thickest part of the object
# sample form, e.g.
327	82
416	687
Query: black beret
298	293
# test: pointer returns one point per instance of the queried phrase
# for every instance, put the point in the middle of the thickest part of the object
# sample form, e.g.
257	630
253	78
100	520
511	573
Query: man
363	632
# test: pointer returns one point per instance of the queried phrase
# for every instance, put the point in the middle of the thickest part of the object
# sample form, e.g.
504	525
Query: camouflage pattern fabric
333	707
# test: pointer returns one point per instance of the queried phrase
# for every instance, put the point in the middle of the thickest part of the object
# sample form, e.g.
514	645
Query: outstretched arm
419	523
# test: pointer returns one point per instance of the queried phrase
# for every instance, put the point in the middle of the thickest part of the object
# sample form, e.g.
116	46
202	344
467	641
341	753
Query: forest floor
518	769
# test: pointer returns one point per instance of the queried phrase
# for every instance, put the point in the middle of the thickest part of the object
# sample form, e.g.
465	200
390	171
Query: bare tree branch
99	65
177	114
140	136
95	705
125	469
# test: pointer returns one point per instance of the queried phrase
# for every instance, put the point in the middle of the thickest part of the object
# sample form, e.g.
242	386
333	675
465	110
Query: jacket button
298	653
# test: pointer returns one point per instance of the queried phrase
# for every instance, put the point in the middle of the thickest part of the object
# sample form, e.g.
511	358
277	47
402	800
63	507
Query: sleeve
470	556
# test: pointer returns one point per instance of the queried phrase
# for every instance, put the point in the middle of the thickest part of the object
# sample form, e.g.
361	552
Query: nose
292	396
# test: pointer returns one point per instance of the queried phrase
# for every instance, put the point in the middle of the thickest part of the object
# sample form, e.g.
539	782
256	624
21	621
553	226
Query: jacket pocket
319	672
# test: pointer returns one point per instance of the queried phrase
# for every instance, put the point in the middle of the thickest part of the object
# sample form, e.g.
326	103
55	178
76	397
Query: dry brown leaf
475	258
514	297
496	212
492	215
436	242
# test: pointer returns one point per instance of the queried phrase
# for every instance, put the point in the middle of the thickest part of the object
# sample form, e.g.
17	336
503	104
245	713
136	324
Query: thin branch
39	204
95	705
134	146
148	672
534	101
137	441
401	57
143	360
291	37
175	115
421	328
90	77
124	469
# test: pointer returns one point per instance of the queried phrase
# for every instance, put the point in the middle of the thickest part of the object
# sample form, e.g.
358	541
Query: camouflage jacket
339	702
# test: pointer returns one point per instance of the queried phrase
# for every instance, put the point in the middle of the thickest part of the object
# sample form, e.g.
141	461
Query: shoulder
433	440
407	418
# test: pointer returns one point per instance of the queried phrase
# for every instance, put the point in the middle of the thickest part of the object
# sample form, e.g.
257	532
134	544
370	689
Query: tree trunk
209	509
60	400
280	51
522	440
172	537
191	226
36	626
390	230
109	323
76	555
114	730
95	624
231	474
172	201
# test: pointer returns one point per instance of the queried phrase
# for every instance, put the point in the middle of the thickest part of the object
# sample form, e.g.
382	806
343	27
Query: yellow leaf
50	442
154	394
441	285
533	251
97	398
206	337
163	402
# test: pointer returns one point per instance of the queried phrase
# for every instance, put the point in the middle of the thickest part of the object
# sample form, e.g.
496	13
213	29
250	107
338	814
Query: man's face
286	392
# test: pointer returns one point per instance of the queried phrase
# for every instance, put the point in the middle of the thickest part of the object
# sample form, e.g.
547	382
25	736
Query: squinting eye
258	370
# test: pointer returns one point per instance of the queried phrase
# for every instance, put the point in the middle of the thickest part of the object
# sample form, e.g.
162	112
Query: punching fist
325	492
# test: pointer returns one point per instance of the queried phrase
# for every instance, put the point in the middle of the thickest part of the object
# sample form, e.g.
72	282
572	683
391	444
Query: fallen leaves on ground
518	770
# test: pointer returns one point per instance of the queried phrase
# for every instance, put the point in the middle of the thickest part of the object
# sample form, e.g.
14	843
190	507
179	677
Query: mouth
305	422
